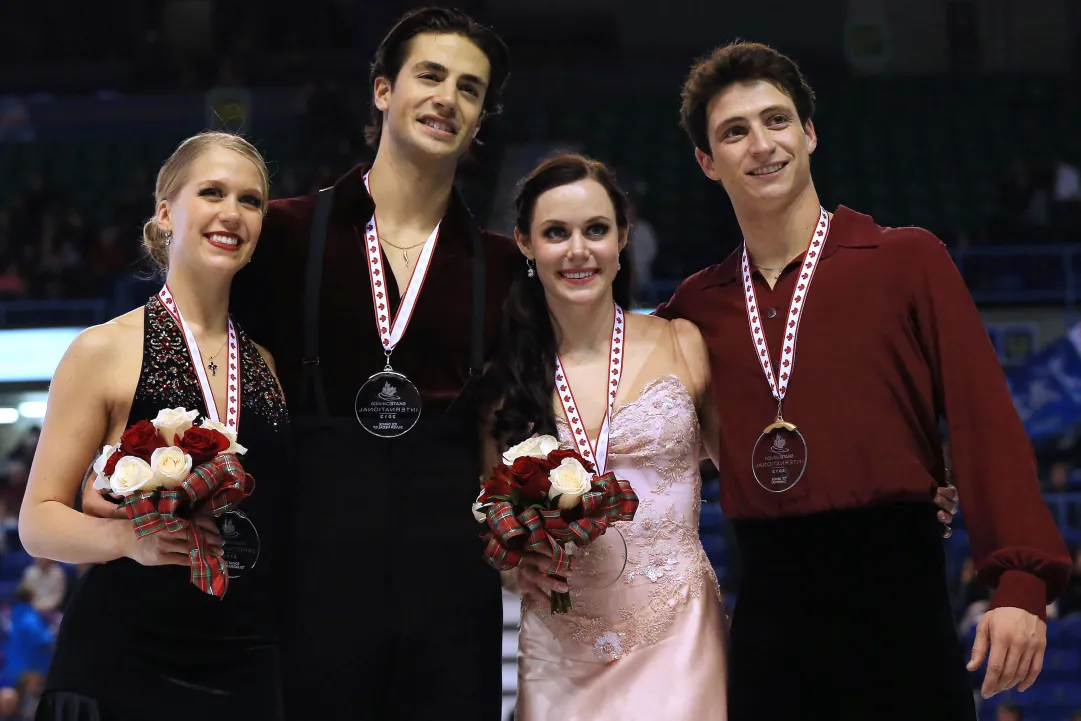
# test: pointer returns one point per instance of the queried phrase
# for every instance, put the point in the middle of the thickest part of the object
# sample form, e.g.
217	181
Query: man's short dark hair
739	62
393	50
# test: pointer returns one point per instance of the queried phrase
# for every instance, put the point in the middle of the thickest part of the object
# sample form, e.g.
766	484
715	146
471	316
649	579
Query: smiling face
216	216
575	240
435	105
761	153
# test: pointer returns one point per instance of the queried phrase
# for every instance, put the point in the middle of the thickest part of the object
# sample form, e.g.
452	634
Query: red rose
202	444
531	477
141	440
500	483
110	465
557	456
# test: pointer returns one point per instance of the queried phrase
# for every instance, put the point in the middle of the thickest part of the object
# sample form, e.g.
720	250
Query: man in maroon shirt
837	345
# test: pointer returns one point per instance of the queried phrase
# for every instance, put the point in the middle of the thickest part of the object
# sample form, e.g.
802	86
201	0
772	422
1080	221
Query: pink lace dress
650	645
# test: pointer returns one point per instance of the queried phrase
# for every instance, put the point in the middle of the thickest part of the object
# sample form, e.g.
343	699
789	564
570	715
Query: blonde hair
174	174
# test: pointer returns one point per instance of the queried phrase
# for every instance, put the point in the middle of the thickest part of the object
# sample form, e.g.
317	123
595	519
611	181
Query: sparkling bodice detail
168	378
654	444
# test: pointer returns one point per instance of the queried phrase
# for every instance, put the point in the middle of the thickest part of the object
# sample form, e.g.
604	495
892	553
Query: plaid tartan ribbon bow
537	529
219	485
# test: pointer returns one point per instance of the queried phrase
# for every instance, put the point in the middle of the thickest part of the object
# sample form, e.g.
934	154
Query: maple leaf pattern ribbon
219	485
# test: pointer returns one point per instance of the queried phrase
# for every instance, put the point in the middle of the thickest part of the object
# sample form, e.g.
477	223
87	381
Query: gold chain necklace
405	251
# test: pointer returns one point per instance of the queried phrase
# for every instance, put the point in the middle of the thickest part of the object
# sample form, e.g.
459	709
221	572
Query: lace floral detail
654	445
167	378
654	432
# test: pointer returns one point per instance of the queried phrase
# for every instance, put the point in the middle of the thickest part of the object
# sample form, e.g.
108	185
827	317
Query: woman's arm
76	421
695	353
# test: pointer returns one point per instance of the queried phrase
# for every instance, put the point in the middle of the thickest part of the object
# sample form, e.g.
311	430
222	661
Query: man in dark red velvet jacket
390	611
837	345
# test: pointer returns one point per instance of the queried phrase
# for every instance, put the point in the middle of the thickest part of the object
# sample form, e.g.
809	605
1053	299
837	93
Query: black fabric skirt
846	615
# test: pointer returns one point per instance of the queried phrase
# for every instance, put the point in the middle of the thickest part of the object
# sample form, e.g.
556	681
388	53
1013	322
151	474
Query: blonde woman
139	640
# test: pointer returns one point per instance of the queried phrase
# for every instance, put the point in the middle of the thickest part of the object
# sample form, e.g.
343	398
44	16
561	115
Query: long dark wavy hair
521	378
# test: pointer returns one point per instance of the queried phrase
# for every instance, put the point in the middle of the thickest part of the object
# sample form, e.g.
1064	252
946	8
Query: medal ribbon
779	383
598	456
391	332
232	414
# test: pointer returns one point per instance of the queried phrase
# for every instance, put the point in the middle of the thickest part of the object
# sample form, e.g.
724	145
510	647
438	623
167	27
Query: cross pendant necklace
212	366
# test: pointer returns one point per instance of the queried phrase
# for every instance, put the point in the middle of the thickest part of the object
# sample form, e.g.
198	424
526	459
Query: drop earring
168	237
531	266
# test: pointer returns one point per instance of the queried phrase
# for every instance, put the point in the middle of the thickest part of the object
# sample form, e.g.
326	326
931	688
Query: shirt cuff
1020	589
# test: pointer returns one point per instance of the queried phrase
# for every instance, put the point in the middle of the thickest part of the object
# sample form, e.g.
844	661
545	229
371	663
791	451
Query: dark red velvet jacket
268	300
889	342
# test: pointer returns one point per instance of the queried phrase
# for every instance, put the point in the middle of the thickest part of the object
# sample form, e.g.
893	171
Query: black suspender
313	283
476	349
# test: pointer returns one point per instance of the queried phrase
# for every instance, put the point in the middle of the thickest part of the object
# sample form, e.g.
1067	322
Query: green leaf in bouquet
516	497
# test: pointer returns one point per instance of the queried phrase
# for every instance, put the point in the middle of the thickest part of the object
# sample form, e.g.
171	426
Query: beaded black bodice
168	378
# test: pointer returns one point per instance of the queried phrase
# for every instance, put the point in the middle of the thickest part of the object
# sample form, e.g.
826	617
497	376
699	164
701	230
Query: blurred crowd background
960	116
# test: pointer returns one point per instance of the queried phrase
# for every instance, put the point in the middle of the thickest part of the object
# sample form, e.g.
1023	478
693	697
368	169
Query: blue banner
1046	388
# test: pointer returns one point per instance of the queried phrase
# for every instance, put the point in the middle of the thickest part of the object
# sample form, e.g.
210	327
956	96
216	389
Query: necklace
405	251
211	365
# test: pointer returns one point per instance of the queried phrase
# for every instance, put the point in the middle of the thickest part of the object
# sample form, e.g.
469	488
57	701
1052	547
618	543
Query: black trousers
846	616
390	612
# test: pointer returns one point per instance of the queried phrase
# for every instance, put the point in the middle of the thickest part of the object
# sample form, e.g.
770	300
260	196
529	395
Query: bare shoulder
692	346
111	354
688	336
645	331
656	329
645	324
110	340
689	340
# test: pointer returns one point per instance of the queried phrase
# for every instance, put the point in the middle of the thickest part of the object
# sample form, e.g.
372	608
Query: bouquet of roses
542	497
164	471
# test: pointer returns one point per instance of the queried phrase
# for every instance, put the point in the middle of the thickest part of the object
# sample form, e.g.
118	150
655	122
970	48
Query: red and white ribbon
392	328
779	383
597	455
232	406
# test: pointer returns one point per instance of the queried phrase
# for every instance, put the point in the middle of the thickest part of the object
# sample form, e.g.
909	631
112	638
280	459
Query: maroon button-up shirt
889	342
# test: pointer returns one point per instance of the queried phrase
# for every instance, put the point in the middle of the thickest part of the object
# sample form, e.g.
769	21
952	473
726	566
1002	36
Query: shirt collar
350	193
848	229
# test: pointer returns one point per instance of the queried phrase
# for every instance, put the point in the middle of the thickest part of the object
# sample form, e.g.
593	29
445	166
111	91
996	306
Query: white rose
478	507
132	474
234	447
570	481
100	481
537	447
172	422
170	465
